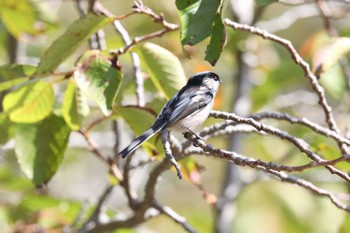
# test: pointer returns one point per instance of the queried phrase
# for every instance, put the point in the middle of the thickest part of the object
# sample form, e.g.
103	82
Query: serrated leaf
98	79
265	2
67	43
74	107
30	103
329	54
217	41
6	129
18	17
40	147
164	68
199	20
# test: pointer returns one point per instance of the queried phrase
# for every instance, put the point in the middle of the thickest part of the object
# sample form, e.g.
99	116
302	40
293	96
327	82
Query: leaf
98	79
217	41
12	83
345	226
30	103
329	54
15	71
265	2
164	68
74	107
18	17
199	20
67	43
40	147
6	128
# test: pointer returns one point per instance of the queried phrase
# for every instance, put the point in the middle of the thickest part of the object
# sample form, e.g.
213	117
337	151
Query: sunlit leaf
164	68
18	17
74	107
67	43
329	54
199	20
10	180
40	147
11	83
6	128
333	82
217	41
98	79
345	227
30	103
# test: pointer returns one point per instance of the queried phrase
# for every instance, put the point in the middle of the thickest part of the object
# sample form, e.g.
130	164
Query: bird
185	111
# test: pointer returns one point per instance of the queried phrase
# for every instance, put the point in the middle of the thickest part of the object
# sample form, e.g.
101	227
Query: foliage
82	85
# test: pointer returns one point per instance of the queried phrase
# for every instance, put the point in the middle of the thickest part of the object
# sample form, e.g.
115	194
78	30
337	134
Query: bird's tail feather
141	139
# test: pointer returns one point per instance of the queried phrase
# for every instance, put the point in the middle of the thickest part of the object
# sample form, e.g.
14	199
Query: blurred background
257	76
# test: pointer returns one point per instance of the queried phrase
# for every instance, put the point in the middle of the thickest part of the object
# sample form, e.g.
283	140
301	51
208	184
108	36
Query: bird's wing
185	106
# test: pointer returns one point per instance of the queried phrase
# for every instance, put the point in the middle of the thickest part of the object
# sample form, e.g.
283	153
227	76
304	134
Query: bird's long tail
141	139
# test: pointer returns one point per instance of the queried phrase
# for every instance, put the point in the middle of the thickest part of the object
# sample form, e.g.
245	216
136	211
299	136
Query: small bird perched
185	111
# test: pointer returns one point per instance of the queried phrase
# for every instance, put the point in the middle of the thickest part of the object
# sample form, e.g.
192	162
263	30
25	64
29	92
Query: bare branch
300	144
168	153
299	60
140	95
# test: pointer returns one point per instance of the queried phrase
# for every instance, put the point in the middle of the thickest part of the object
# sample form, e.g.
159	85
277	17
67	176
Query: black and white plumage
186	110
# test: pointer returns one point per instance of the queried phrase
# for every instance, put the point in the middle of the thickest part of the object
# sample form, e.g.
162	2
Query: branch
300	144
271	168
298	60
138	7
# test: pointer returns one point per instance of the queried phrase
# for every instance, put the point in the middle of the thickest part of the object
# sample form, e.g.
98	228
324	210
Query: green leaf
217	41
15	71
199	20
74	107
30	103
67	43
40	147
12	83
164	68
6	128
329	54
18	17
345	227
98	79
265	2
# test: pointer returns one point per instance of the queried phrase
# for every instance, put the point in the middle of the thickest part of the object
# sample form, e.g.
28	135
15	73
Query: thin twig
242	160
140	95
300	144
168	153
299	60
